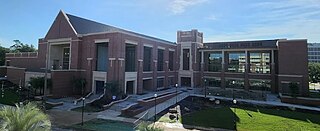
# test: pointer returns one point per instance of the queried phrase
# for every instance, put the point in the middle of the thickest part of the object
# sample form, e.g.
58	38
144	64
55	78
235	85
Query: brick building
81	48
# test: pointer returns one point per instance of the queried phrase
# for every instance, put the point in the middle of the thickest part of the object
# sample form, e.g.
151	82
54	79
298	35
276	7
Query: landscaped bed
10	97
253	119
199	112
104	125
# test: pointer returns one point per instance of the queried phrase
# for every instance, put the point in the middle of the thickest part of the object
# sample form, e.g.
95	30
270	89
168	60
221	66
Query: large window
186	59
160	82
213	82
147	55
238	83
214	62
237	61
260	62
102	57
171	55
66	58
263	85
130	58
160	60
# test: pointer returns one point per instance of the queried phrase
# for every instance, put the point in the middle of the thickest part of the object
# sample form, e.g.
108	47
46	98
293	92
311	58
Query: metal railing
22	55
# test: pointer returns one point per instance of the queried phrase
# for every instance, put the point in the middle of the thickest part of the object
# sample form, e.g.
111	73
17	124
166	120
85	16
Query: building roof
85	26
241	44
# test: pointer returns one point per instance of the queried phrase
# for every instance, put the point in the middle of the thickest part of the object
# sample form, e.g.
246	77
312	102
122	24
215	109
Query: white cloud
211	17
179	6
282	19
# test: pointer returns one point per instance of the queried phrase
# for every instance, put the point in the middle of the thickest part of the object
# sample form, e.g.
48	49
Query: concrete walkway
69	103
272	103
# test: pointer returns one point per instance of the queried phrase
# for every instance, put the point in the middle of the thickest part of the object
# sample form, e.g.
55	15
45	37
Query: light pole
233	82
155	108
29	87
205	88
2	89
234	101
177	100
83	99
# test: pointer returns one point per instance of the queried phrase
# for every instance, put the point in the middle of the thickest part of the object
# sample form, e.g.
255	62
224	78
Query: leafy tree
294	88
79	84
18	46
3	52
314	72
38	83
23	118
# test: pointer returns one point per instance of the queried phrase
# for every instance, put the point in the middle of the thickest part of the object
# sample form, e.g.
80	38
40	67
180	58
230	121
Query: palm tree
23	118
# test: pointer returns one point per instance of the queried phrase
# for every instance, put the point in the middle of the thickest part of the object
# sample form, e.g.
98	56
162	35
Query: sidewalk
273	103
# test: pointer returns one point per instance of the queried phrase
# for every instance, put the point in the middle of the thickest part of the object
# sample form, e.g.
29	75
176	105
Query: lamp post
83	99
29	87
205	88
177	100
233	82
234	101
155	108
2	89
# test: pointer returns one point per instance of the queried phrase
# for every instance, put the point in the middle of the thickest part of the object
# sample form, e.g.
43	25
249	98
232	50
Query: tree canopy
314	72
3	52
18	46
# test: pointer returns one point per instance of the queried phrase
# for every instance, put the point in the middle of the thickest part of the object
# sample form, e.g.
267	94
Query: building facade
79	48
314	52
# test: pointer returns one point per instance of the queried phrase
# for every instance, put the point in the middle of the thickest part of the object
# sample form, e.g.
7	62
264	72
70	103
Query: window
160	82
65	58
147	55
214	62
213	82
237	61
171	60
160	60
186	59
102	57
260	62
263	85
238	83
130	58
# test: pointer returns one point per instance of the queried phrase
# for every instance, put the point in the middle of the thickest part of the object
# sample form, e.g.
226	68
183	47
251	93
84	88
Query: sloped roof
85	26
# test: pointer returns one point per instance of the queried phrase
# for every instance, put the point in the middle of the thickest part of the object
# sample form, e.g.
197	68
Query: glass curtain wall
263	85
260	63
237	61
238	83
214	62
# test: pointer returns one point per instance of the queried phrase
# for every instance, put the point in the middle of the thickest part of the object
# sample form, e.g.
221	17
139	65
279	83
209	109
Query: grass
251	119
104	125
10	97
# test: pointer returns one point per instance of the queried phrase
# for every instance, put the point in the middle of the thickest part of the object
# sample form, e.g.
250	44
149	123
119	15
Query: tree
294	88
24	118
18	46
79	85
37	83
3	52
314	72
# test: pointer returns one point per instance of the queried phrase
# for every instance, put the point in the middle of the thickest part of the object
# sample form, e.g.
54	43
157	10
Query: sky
219	20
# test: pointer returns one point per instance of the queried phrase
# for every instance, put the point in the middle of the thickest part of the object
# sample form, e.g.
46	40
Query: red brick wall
293	63
62	82
16	75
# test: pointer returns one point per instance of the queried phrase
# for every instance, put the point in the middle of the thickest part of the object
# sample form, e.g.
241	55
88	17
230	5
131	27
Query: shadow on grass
211	117
302	116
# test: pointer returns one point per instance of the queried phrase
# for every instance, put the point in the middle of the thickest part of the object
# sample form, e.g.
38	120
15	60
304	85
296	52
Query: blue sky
219	20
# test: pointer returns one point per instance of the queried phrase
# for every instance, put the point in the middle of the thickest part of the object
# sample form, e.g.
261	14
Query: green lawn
104	125
254	119
10	97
